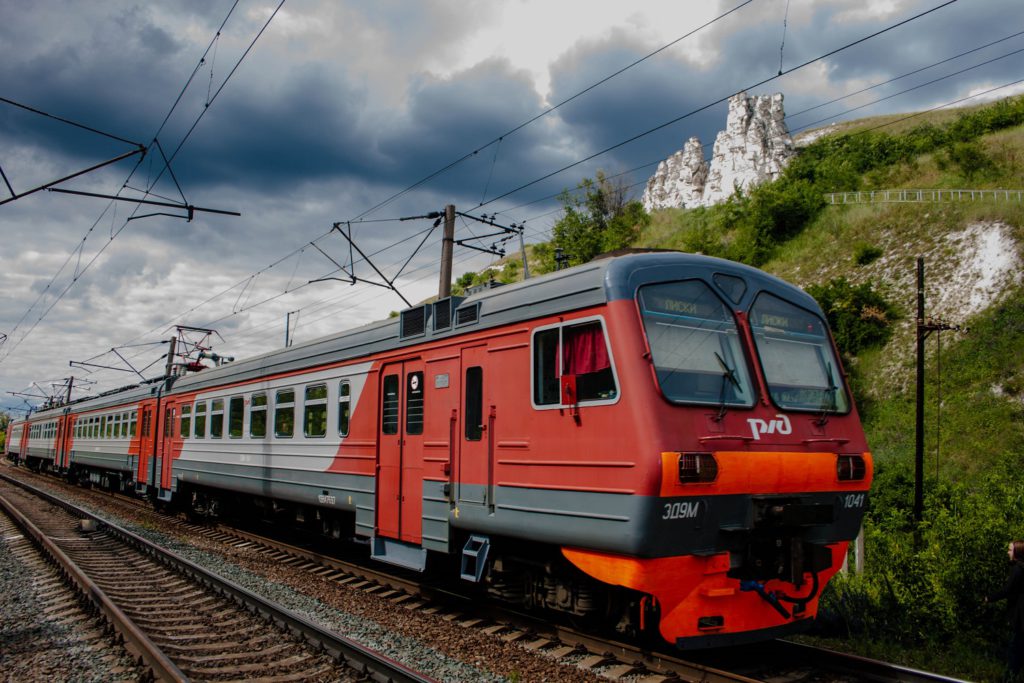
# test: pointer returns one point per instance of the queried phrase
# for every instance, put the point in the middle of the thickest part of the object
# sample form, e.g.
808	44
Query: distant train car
663	442
13	443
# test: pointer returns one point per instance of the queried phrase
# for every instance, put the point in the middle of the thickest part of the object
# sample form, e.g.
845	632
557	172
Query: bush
864	253
859	316
933	594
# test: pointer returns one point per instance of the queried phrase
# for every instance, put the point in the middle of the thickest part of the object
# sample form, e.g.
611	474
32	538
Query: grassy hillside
921	603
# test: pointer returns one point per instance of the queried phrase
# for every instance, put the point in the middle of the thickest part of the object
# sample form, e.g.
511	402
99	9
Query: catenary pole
447	245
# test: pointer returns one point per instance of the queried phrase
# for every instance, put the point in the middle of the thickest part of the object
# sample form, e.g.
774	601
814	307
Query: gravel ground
425	642
44	633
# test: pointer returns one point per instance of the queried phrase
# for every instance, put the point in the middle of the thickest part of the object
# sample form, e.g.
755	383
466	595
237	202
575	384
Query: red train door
146	428
163	475
66	440
58	445
475	480
400	458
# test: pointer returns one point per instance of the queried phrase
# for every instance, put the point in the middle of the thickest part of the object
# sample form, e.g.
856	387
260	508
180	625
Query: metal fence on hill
922	196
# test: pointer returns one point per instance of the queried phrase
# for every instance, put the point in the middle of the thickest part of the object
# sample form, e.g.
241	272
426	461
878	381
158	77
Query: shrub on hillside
860	317
934	593
864	253
969	158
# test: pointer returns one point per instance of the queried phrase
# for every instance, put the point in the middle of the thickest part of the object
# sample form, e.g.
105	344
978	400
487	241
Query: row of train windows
214	414
44	430
116	426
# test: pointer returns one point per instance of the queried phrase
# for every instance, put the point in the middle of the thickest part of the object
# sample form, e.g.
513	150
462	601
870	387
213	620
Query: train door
145	435
163	454
400	458
58	445
476	462
66	440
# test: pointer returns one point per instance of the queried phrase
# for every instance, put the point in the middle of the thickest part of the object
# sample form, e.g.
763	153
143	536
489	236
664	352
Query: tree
600	218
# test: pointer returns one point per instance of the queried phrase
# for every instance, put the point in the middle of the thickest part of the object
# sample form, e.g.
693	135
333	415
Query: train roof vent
414	322
443	312
467	315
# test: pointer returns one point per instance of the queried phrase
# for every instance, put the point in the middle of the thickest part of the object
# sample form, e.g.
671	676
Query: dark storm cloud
651	94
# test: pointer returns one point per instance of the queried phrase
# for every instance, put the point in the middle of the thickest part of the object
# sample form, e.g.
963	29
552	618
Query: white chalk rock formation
754	148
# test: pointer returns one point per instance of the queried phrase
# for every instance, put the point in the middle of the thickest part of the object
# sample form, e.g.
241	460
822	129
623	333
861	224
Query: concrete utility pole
444	289
172	345
919	417
522	248
71	383
925	326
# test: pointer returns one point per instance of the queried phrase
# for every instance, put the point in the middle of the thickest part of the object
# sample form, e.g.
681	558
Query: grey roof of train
590	284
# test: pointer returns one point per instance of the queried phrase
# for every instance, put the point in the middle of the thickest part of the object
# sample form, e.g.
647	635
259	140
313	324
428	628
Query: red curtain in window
584	350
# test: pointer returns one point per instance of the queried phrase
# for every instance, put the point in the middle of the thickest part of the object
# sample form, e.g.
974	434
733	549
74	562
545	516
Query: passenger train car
661	442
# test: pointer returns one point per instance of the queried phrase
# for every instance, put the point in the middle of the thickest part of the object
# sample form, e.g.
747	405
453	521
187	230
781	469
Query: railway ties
185	623
777	662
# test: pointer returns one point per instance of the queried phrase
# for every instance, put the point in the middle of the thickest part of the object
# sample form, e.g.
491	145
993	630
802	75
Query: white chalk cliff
754	148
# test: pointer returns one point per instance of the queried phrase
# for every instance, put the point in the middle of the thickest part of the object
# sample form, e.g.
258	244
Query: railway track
779	661
43	618
183	622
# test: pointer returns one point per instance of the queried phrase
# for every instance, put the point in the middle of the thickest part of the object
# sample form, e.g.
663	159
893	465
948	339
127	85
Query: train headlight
850	467
697	468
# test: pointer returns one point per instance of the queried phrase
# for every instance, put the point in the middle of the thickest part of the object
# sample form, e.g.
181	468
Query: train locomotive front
751	468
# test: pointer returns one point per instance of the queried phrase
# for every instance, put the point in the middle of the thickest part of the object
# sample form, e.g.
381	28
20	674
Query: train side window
186	422
258	416
344	406
236	416
585	355
169	422
132	423
217	418
124	425
200	414
579	351
314	414
545	367
284	413
389	413
414	403
474	413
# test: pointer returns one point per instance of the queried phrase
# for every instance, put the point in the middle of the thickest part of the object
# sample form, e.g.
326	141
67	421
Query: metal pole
522	248
172	347
444	289
287	330
919	422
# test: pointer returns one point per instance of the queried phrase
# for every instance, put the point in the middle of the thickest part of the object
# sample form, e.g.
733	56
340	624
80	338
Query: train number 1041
854	500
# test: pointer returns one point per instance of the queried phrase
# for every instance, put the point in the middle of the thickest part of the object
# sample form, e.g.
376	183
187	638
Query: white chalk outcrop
754	148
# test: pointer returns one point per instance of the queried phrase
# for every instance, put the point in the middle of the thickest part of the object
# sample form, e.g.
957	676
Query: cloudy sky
346	111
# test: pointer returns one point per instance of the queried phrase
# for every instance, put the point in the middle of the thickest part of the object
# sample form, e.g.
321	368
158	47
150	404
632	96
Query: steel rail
863	667
137	642
860	668
356	655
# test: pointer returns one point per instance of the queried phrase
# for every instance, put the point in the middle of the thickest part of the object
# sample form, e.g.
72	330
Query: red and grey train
662	442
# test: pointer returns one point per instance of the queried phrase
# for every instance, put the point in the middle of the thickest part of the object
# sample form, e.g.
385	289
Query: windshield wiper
728	376
828	398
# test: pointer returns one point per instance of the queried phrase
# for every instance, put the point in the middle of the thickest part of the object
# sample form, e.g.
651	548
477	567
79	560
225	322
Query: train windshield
695	345
796	355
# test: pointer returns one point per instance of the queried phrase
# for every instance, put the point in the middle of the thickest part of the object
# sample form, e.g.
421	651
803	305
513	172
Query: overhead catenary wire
439	171
168	160
720	100
793	70
547	111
